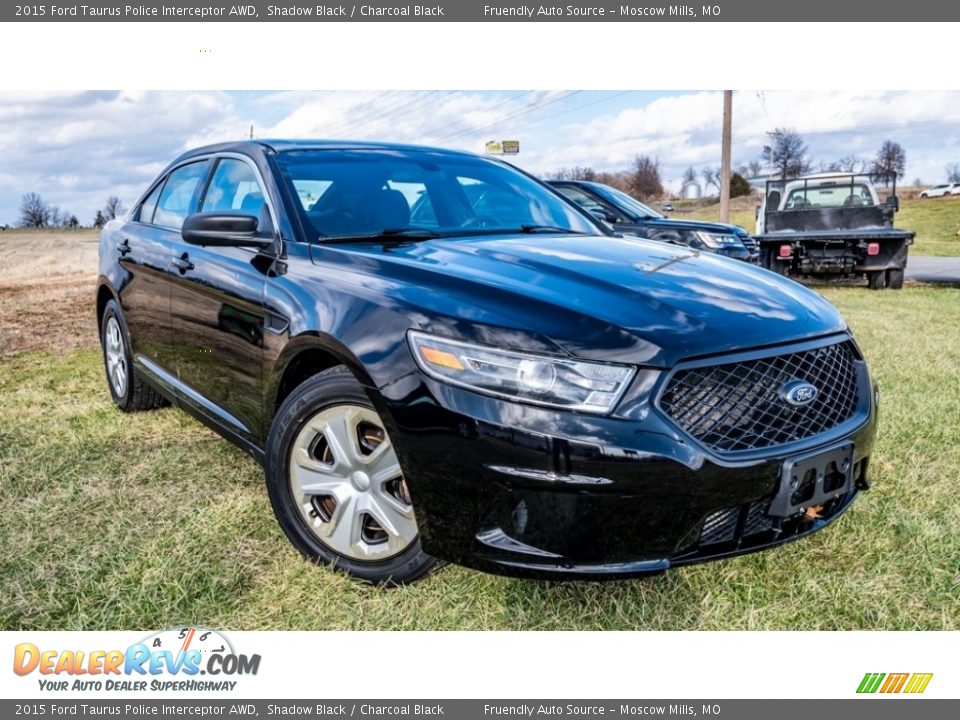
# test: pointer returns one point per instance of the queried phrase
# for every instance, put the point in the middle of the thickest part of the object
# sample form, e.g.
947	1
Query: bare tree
953	172
890	163
34	212
754	168
711	176
848	164
113	208
786	153
73	222
689	176
618	180
99	221
58	218
645	177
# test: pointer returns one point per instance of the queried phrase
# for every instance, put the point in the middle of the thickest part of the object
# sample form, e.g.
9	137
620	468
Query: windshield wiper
386	234
532	229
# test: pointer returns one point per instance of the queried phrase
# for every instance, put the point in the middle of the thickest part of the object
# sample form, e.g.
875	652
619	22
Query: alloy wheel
116	357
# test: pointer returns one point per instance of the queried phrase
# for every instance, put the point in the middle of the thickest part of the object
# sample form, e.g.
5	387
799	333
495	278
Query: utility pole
725	157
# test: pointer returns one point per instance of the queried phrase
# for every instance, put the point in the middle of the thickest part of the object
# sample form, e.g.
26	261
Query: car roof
284	145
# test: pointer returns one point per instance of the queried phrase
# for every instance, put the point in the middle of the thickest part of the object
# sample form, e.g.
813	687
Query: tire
129	391
768	260
877	279
895	279
357	515
923	196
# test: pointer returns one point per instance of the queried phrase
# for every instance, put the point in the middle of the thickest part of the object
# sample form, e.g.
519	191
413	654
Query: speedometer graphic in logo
184	639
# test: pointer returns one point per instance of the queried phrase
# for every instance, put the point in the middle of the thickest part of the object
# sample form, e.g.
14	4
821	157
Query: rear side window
234	186
149	205
177	195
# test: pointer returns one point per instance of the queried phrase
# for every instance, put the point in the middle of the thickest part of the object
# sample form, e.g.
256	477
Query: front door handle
183	263
124	247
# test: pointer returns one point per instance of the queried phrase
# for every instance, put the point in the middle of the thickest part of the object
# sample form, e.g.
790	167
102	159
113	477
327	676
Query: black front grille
721	526
739	406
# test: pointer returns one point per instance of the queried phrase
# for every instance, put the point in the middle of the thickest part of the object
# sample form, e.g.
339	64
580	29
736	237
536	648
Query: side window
174	203
584	200
234	186
149	205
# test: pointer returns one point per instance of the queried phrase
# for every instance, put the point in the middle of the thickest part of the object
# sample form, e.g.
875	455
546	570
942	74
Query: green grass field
149	520
936	221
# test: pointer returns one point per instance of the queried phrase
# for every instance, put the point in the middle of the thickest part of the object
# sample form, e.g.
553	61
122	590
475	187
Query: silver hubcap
116	357
347	484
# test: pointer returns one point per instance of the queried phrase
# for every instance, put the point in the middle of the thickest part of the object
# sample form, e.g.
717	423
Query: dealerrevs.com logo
167	660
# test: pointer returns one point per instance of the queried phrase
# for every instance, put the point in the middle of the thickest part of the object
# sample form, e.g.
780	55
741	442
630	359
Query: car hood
606	298
691	225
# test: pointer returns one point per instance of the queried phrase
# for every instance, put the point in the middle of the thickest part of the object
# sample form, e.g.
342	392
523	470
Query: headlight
569	384
716	240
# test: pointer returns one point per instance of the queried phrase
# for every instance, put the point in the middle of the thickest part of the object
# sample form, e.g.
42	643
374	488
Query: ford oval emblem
799	393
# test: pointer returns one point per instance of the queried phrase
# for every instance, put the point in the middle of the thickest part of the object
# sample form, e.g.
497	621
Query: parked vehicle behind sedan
942	190
832	225
495	380
631	217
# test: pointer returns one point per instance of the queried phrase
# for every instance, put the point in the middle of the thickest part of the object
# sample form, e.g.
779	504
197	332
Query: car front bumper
527	491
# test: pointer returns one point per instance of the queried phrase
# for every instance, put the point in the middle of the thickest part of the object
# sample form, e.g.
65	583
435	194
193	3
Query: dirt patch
56	315
47	285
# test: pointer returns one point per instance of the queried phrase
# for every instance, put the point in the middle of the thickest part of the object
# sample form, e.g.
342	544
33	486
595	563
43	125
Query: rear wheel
127	388
877	279
768	259
895	279
336	485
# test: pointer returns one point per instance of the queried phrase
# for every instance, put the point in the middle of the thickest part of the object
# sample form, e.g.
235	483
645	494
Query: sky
78	148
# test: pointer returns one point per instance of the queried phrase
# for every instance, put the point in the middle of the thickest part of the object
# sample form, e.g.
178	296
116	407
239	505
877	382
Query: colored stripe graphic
894	683
870	682
918	682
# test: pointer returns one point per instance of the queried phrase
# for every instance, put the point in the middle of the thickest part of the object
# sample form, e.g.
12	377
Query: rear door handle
183	263
124	247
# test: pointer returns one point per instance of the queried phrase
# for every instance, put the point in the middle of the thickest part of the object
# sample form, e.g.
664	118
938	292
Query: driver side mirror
223	229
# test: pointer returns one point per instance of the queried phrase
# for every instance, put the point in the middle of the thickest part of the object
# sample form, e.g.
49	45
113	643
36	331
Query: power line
489	109
385	113
530	108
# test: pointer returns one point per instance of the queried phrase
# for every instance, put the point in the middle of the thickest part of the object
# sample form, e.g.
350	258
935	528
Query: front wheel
336	485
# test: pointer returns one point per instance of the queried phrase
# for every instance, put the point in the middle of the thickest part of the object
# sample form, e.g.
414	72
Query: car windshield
627	203
364	193
833	196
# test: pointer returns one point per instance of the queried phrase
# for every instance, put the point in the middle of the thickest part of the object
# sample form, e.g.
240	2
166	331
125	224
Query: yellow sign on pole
503	147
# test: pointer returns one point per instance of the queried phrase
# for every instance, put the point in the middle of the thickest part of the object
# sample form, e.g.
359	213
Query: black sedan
629	216
495	379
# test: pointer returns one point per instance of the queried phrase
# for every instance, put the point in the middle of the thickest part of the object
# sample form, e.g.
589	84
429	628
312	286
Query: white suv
941	190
